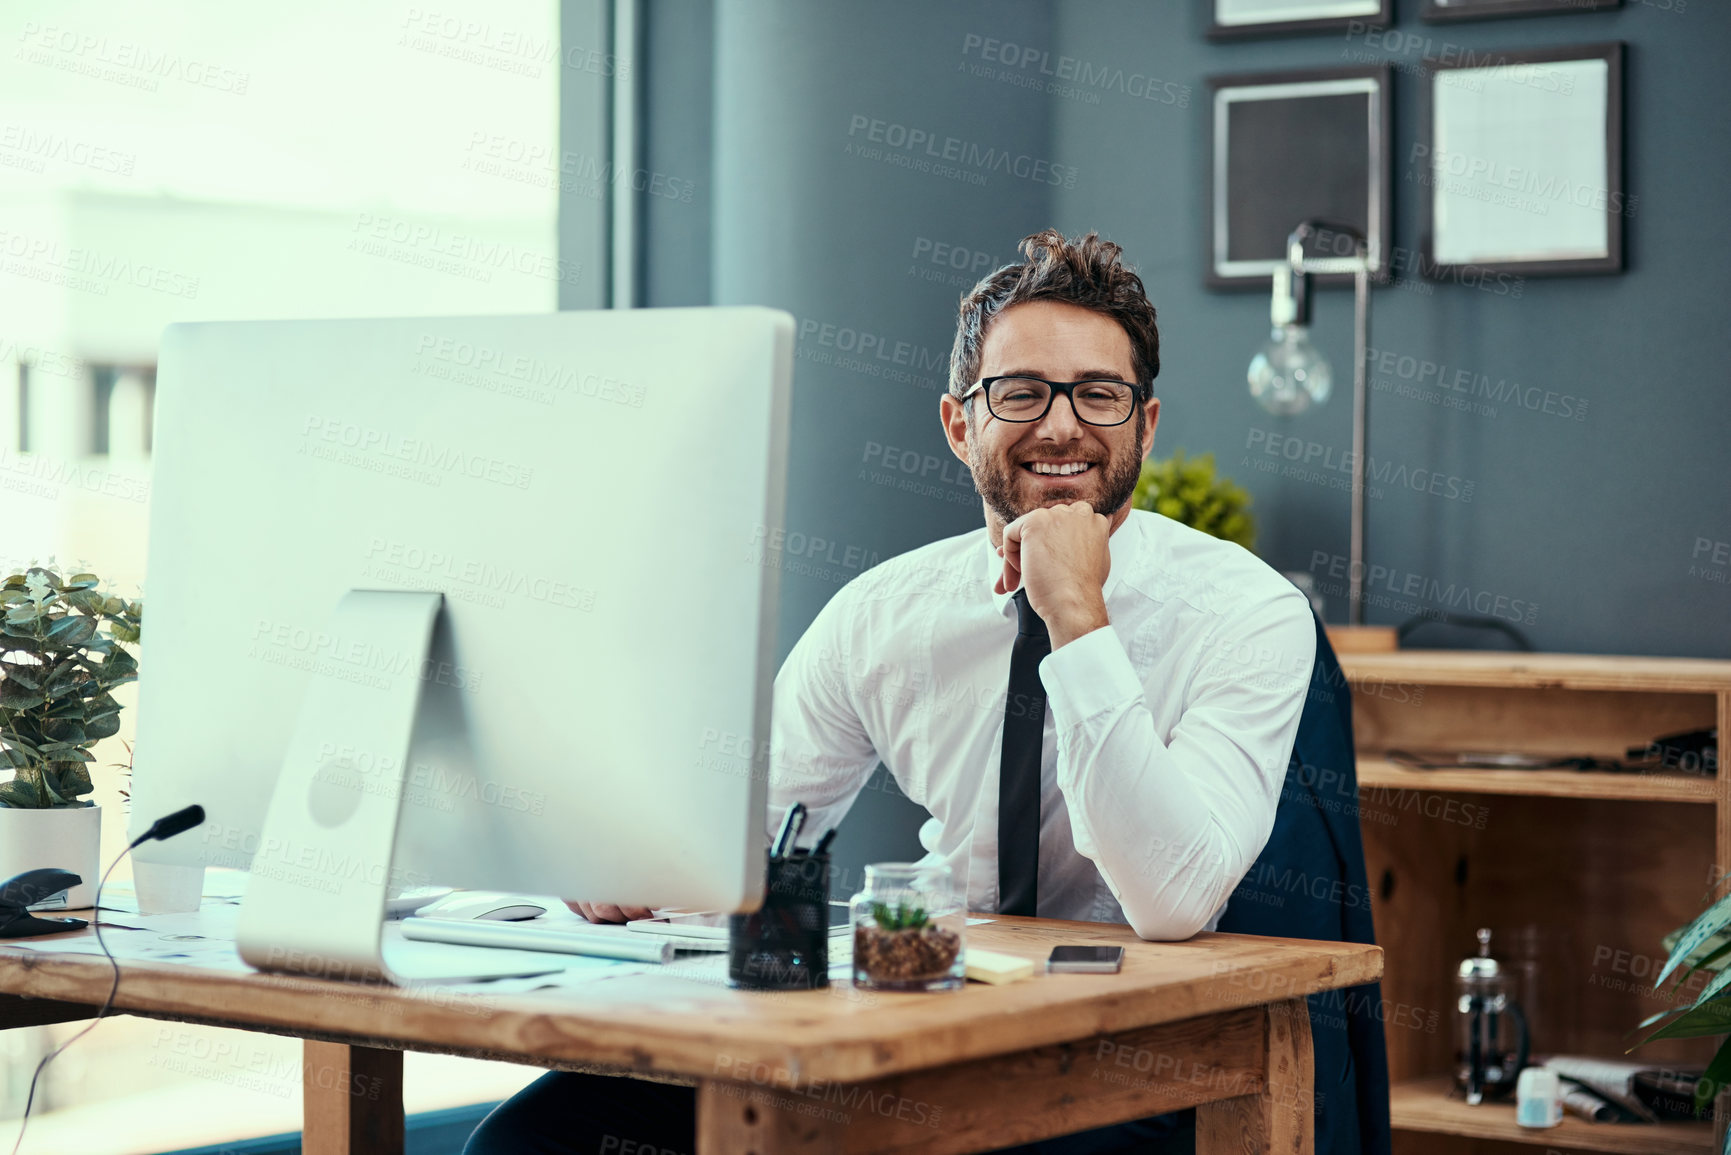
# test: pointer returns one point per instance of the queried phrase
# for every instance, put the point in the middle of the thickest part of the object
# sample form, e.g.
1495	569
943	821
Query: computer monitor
587	491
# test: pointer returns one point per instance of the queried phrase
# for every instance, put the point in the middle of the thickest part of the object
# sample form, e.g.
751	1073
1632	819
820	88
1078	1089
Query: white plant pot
69	838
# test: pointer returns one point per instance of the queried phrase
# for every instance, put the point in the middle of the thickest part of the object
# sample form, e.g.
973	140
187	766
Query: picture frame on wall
1443	11
1246	19
1294	146
1520	168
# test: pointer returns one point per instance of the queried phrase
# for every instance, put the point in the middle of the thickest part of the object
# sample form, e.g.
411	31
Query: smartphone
1092	960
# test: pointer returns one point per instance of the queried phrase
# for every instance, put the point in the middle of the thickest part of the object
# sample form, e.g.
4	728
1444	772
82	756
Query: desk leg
352	1100
1279	1120
734	1118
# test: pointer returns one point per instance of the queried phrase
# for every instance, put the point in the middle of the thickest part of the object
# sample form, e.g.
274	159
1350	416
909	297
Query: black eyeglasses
1101	401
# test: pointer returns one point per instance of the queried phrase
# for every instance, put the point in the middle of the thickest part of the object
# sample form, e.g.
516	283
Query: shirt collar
1123	546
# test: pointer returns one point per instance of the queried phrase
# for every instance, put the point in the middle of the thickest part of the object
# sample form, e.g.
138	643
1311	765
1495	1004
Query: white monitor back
587	490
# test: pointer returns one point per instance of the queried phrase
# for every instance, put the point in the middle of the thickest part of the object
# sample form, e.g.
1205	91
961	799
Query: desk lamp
1288	374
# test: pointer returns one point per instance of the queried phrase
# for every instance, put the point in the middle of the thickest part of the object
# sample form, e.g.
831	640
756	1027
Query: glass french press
1490	1029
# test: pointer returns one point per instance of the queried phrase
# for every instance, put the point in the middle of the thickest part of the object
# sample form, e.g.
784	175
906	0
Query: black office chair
1309	882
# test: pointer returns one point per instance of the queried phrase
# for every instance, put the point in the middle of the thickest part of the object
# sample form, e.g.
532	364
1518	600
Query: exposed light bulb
1288	375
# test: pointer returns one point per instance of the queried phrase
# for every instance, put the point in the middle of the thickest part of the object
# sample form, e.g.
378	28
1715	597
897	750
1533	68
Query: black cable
114	989
160	829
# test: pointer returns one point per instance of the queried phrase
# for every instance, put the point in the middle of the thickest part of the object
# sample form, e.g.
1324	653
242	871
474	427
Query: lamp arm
1300	282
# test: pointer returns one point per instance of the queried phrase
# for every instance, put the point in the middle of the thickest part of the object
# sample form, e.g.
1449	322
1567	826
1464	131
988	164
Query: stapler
20	892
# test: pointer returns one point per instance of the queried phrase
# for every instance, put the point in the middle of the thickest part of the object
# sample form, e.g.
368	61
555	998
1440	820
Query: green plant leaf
53	797
119	664
14	696
73	781
64	679
26	674
102	726
82	581
11	737
71	630
70	706
64	731
19	639
1711	922
1714	1078
1705	962
1711	990
1712	1018
18	795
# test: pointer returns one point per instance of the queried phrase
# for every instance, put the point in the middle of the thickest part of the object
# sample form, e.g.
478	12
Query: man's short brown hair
1088	272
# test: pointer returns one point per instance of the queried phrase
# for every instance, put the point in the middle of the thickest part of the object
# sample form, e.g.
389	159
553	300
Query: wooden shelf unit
1669	787
1424	1105
1578	874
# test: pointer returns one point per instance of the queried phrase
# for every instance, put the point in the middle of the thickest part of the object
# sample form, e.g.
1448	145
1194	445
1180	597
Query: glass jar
1491	1040
908	926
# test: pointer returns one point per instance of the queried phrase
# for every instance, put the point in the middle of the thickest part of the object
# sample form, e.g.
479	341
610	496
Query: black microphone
172	824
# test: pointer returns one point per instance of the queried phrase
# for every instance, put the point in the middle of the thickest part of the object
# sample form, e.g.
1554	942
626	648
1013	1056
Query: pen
790	825
823	843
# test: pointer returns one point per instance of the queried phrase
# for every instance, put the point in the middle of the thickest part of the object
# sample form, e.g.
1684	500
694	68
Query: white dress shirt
1166	741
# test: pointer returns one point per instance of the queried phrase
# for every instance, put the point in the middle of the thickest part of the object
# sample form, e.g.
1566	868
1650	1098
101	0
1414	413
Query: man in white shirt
1144	759
1178	664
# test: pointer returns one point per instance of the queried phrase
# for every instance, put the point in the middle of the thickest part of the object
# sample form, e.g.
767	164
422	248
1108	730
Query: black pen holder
784	944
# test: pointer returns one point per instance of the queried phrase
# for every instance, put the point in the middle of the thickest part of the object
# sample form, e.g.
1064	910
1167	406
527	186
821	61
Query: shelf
1379	772
1495	669
1424	1105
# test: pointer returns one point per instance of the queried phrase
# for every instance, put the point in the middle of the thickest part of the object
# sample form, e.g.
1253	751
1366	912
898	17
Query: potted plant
1188	491
1703	945
58	670
907	930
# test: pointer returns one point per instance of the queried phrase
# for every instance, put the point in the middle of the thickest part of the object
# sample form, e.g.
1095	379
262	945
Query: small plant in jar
907	930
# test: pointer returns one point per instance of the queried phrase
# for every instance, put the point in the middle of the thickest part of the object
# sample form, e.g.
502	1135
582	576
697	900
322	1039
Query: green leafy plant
900	917
1703	945
1187	490
57	673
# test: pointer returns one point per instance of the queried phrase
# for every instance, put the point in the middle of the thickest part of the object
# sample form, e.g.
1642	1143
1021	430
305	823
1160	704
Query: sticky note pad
989	966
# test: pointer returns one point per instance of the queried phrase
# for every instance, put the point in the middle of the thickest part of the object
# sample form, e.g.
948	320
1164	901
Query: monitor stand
315	901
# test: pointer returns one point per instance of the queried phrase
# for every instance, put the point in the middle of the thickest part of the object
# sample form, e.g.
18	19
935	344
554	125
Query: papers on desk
205	939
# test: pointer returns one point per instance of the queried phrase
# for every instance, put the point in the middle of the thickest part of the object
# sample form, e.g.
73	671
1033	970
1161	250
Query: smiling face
1020	466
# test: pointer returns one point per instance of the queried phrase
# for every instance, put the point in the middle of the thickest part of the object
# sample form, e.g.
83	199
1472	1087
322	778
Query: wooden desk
1218	1023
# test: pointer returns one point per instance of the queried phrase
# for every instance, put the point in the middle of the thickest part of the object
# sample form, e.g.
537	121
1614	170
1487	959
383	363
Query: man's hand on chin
1060	553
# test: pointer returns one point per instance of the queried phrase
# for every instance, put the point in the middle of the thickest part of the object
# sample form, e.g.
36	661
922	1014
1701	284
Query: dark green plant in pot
1188	491
1703	945
900	917
57	673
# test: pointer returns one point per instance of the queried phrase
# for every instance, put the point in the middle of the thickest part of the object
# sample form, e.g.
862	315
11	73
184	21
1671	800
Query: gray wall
1592	523
1592	526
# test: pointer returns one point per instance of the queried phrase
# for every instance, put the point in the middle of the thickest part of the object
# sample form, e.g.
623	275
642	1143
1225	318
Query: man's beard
996	479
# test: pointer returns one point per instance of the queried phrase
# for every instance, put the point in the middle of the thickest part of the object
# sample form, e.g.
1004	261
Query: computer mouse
484	904
515	913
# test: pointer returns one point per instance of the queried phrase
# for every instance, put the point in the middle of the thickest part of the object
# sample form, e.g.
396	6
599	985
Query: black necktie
1019	771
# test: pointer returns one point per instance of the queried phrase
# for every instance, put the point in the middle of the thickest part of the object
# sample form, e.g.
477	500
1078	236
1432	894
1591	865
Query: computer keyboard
560	938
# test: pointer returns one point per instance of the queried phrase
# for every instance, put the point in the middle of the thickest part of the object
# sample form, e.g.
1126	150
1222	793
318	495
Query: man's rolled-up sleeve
1174	824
